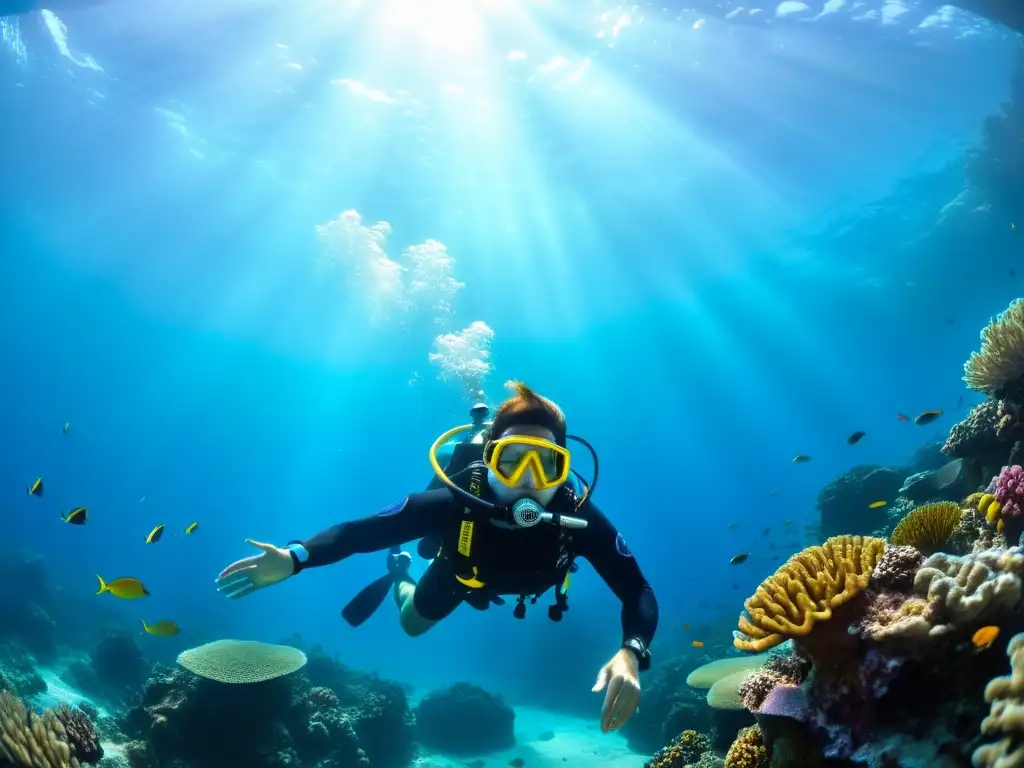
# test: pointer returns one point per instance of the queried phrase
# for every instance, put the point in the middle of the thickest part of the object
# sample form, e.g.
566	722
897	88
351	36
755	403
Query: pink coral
1009	490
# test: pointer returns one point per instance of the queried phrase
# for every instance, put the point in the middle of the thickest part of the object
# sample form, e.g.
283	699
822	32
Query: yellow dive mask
511	458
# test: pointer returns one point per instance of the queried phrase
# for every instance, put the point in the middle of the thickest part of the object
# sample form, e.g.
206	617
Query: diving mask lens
512	458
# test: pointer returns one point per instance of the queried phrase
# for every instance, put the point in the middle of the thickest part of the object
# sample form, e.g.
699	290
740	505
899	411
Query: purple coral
897	568
80	734
781	670
1009	490
757	686
786	700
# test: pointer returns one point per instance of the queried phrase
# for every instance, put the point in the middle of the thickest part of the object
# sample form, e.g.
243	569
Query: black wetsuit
521	561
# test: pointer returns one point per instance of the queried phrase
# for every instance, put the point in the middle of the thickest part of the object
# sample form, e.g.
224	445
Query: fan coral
685	749
28	741
748	750
897	568
806	589
242	661
928	527
1000	361
1006	695
80	734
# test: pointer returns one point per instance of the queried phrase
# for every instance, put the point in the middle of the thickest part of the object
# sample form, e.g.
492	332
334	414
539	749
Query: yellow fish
877	504
155	535
76	516
161	628
192	528
697	643
36	489
125	588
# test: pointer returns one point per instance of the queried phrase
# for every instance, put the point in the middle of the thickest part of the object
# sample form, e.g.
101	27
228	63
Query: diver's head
479	413
525	448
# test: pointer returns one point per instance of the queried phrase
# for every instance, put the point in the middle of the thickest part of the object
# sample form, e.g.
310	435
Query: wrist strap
299	555
643	655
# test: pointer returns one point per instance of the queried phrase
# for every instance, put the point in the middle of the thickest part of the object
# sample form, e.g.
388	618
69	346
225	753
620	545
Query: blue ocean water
717	239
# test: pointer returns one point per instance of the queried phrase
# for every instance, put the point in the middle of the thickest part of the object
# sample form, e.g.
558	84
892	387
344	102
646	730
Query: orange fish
984	637
902	417
686	627
697	644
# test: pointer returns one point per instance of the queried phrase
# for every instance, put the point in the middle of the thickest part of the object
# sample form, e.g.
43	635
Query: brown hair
524	408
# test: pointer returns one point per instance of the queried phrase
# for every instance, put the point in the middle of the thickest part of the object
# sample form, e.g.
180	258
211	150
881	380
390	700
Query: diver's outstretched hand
621	678
247	575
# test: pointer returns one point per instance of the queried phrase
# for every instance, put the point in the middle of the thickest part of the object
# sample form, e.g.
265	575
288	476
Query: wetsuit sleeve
603	546
415	516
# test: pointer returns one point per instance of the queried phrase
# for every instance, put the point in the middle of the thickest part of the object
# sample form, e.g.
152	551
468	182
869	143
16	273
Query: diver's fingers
625	705
246	589
240	565
607	711
261	545
602	680
239	577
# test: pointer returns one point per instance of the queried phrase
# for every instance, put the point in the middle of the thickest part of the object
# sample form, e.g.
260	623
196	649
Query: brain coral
242	661
928	527
1000	361
805	589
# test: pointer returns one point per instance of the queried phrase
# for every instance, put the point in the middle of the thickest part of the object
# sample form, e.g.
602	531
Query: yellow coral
686	748
987	505
748	750
1000	361
928	527
805	589
31	741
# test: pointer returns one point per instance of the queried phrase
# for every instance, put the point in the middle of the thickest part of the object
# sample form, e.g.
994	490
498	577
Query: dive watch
643	656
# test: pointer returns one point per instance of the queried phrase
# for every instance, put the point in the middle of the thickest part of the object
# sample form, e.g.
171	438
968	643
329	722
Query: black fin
365	604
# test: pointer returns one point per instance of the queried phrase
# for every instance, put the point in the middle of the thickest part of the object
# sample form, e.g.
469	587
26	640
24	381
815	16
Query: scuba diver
507	524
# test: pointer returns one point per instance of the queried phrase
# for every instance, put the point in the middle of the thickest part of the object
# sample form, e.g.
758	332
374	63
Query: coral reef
670	705
806	589
748	750
465	719
844	504
897	568
1008	488
289	719
928	528
19	671
80	734
1006	716
686	749
61	739
979	438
